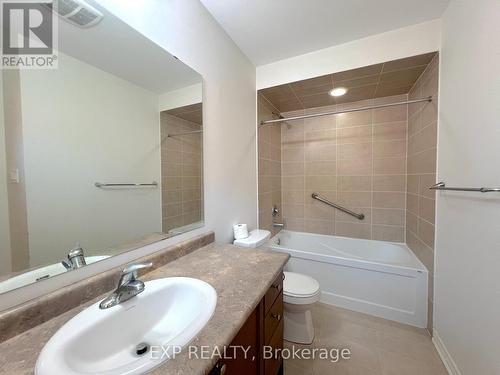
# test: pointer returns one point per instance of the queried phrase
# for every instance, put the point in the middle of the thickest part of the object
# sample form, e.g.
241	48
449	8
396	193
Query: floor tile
378	346
400	364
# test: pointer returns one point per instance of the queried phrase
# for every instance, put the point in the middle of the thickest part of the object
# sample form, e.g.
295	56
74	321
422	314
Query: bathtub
379	278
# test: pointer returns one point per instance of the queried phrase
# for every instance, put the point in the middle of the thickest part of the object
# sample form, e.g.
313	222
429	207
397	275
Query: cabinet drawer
273	318
272	365
273	292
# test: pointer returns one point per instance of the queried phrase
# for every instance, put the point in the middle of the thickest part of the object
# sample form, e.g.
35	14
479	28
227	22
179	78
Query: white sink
41	273
169	313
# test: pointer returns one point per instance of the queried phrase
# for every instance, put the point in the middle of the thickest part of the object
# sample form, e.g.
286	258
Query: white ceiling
117	48
271	30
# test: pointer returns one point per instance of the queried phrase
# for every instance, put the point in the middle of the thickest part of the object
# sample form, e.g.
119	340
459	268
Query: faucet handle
76	251
129	273
133	268
128	286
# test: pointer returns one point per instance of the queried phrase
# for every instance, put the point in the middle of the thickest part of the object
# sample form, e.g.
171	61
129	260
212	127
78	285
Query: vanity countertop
240	276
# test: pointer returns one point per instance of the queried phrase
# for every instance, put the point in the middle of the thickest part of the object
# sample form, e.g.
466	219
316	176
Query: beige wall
110	136
14	149
187	30
355	159
422	141
467	293
5	252
181	170
269	167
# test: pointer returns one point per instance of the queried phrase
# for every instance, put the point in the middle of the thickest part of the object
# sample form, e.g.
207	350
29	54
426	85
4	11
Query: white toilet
299	293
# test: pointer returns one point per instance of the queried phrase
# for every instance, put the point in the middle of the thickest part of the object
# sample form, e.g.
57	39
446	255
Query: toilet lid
256	238
299	285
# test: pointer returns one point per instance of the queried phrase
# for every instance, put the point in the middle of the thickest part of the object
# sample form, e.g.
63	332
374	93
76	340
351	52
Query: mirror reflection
100	155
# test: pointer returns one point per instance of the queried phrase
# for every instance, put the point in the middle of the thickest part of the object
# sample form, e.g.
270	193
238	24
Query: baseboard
445	355
366	307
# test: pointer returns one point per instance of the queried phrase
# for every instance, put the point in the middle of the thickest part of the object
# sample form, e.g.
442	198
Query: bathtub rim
410	270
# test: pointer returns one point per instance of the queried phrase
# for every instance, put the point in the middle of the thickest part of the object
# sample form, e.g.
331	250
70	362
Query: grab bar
101	185
442	186
340	208
184	133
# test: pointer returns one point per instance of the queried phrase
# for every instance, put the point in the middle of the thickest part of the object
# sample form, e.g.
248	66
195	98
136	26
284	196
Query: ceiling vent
77	12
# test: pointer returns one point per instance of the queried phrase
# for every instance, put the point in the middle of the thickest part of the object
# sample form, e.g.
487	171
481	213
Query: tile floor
378	346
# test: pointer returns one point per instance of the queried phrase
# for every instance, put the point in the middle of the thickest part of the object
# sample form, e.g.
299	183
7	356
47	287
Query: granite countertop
240	276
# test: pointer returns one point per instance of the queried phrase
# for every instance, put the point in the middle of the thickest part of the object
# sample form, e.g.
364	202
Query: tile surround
379	162
270	167
181	169
375	81
422	143
360	159
191	113
356	159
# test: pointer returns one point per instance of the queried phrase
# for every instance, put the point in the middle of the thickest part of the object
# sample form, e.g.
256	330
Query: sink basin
41	273
169	313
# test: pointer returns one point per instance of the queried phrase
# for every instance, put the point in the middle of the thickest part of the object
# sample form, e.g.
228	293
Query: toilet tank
256	238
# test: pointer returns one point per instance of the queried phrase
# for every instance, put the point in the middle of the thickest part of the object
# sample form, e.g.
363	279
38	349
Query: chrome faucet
275	212
76	258
128	286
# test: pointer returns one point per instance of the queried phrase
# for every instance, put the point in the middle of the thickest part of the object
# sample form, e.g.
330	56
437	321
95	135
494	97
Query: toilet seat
299	289
300	292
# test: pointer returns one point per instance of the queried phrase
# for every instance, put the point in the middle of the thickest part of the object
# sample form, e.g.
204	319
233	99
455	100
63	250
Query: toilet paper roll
240	231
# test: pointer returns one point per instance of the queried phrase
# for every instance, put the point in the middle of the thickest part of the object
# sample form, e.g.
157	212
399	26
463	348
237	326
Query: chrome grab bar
442	186
340	208
184	133
101	185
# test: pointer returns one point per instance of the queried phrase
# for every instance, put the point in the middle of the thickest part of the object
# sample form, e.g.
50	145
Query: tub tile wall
356	159
269	166
181	170
422	141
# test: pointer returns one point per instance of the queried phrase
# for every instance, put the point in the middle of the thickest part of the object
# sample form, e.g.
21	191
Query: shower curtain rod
428	99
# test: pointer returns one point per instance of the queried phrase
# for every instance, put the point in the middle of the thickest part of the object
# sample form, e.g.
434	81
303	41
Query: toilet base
298	324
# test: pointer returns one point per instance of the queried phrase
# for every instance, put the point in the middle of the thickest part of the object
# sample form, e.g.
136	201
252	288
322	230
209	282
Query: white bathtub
374	277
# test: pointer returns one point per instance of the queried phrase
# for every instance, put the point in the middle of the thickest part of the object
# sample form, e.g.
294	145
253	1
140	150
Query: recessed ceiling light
339	91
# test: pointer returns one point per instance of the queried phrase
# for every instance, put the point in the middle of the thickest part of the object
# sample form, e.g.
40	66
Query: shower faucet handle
275	211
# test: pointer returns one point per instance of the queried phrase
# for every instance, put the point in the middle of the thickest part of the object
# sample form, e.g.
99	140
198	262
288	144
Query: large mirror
99	155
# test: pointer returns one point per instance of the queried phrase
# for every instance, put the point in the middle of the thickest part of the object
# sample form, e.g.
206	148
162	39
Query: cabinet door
248	336
274	366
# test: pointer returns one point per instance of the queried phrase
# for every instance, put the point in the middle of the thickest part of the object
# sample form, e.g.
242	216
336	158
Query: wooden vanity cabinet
263	329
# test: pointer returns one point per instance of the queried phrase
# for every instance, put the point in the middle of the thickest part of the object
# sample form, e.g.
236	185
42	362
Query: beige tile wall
422	141
269	166
355	159
379	162
181	170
